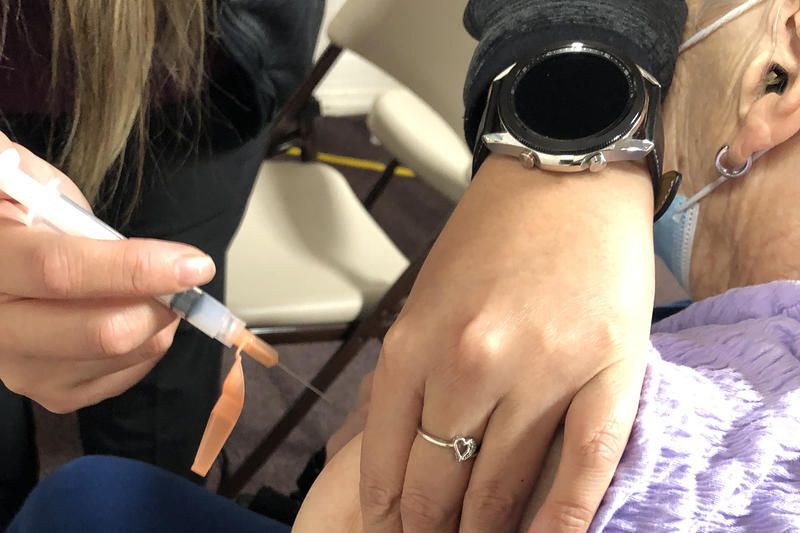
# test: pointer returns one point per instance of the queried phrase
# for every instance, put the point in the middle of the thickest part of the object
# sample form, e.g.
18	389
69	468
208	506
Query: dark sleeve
273	40
647	31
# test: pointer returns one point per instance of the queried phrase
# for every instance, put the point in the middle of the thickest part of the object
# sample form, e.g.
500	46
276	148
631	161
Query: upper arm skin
333	503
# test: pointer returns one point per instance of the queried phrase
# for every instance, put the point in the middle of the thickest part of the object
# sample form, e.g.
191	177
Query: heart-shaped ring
464	448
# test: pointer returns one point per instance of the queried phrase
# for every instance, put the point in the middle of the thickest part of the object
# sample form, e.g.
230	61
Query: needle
267	356
309	386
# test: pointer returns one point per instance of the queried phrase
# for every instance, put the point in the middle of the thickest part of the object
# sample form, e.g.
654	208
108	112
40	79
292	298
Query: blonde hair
116	51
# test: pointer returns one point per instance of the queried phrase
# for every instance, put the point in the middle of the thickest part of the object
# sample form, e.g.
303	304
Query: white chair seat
421	139
307	251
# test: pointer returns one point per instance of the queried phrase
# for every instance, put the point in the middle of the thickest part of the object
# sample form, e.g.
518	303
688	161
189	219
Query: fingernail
195	269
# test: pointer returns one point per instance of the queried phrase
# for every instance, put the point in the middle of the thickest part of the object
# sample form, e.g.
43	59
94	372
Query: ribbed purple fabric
716	444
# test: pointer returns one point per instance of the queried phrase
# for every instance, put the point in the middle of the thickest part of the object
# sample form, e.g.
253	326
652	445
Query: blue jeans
110	494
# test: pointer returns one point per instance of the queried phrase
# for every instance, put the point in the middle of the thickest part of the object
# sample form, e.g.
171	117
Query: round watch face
573	99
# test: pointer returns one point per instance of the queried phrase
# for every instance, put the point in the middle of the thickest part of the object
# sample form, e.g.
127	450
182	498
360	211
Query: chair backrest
422	43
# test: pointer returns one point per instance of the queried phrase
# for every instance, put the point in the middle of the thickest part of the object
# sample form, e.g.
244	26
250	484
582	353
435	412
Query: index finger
596	431
388	436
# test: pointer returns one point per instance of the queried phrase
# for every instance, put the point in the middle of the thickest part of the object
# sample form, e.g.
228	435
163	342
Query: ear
769	111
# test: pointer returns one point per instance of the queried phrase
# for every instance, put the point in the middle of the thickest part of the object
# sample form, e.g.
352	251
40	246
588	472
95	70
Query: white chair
423	45
420	138
308	262
307	253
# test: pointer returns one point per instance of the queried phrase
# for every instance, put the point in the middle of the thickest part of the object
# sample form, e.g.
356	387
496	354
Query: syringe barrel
44	203
205	313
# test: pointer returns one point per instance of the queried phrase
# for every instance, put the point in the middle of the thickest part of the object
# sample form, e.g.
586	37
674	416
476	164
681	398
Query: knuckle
376	499
607	334
604	334
111	335
489	505
571	517
396	340
418	509
397	346
56	272
138	270
601	451
479	348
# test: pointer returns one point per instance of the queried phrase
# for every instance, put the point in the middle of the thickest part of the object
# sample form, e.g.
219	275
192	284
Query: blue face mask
673	235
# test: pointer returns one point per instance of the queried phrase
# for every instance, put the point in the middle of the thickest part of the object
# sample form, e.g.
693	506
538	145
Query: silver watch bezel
629	146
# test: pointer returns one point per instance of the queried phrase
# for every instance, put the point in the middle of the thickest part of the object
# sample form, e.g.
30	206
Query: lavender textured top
716	444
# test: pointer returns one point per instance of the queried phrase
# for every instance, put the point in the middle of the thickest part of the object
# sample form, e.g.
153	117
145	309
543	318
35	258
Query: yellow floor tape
354	162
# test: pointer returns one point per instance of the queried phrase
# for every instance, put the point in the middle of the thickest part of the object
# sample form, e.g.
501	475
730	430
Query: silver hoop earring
731	173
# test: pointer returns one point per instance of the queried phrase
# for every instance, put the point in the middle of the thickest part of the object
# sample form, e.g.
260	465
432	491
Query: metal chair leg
374	325
285	125
381	184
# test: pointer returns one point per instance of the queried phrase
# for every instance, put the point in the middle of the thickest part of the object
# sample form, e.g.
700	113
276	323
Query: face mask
674	233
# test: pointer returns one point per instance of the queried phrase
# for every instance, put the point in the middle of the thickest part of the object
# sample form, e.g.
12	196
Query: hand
78	322
534	304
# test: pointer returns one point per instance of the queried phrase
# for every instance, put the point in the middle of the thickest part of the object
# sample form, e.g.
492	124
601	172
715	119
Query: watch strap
490	121
665	185
479	154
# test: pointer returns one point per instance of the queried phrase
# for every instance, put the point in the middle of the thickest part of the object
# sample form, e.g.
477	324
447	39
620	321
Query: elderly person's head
710	383
739	87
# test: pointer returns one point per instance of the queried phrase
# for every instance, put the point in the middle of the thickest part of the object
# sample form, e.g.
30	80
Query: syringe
44	203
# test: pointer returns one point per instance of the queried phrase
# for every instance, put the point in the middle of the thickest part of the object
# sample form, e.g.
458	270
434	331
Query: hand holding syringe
44	203
77	320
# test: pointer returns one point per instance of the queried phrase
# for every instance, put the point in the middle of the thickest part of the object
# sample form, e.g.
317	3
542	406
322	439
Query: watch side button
597	162
527	159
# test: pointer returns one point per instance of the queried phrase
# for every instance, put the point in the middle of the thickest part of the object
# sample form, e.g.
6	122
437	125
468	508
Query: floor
410	213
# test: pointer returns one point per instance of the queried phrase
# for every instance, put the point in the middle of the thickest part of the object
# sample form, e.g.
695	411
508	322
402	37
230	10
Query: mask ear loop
725	174
717	24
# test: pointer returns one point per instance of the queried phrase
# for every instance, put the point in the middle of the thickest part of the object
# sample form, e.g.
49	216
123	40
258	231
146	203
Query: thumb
45	264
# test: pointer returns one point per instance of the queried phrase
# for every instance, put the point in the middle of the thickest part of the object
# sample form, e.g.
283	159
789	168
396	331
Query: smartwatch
577	106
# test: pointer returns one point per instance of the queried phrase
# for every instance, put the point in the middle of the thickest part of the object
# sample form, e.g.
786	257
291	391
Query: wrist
621	195
584	239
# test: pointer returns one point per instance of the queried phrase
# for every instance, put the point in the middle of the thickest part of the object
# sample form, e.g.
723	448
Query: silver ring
728	173
465	448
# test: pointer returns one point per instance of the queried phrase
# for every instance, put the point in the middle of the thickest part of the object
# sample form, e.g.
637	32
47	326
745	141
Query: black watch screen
569	100
572	96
